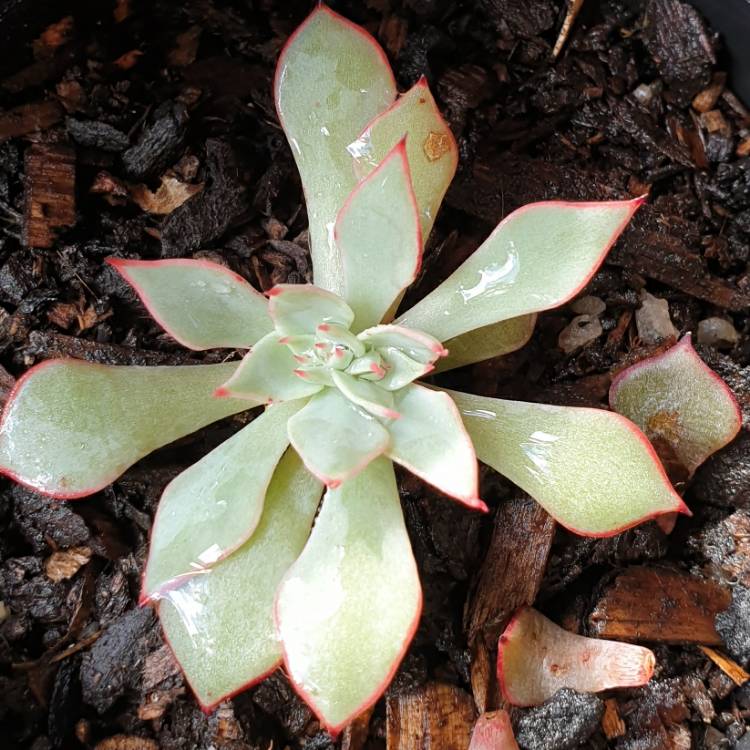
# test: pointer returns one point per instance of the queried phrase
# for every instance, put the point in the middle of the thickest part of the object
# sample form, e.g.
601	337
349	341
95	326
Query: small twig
574	8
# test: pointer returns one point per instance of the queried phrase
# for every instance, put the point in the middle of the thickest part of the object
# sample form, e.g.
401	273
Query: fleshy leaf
592	470
380	240
198	303
536	658
370	397
487	342
335	438
430	441
332	78
674	397
401	369
538	257
266	375
70	428
298	309
348	608
430	146
220	627
213	507
493	731
417	345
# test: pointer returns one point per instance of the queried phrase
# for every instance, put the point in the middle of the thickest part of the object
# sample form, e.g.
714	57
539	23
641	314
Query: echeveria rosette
241	582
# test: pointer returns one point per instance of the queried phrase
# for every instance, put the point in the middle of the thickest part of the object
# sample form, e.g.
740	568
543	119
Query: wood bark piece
513	567
434	716
661	606
730	667
29	118
50	193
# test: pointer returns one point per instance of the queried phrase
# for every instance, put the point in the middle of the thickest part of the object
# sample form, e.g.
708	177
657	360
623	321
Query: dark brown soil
125	92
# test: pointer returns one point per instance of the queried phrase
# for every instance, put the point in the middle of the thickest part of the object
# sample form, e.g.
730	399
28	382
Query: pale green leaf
219	624
430	440
537	258
378	234
490	341
676	399
348	608
200	304
335	438
536	658
430	146
417	345
332	78
372	398
267	375
401	369
298	309
593	471
213	507
72	427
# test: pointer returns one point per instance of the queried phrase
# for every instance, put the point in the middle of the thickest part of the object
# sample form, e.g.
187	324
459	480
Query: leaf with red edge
266	375
493	731
429	439
213	507
332	78
336	438
536	658
378	234
70	428
538	257
348	608
299	309
430	146
489	341
415	344
593	471
200	304
676	399
219	624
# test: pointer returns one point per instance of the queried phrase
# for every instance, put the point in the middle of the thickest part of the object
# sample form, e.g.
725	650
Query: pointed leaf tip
493	731
592	470
536	658
677	400
202	305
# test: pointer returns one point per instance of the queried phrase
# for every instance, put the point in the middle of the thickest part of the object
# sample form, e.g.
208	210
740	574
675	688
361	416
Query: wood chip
355	735
706	99
574	8
158	666
29	118
659	605
714	122
156	704
64	564
170	195
435	715
730	668
513	568
127	742
50	193
743	148
612	725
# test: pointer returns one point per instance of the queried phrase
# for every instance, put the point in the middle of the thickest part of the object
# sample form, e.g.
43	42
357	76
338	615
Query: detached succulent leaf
593	471
674	397
380	240
332	78
430	146
347	609
335	438
70	428
430	441
493	731
200	304
219	624
298	309
538	257
490	341
536	658
266	375
213	507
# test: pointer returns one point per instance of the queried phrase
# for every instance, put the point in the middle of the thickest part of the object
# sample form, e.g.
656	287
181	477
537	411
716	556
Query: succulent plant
247	571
